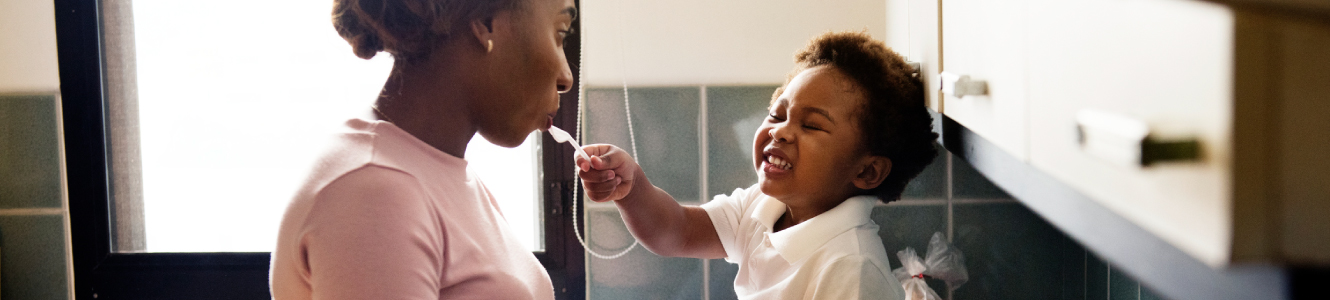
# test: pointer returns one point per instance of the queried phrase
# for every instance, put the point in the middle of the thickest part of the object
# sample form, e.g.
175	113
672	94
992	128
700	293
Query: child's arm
653	216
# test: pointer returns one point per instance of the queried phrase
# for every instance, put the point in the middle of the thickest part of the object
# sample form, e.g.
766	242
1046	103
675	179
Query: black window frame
101	273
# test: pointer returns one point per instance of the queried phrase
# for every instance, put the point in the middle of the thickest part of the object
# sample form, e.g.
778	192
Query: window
230	114
189	126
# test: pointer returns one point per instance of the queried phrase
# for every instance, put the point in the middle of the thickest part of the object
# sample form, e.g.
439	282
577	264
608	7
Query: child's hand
609	174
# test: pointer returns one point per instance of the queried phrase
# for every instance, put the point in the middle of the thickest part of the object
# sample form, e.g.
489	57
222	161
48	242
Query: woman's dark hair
894	121
407	29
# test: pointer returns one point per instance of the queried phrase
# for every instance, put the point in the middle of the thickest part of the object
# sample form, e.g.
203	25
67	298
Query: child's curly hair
894	121
407	29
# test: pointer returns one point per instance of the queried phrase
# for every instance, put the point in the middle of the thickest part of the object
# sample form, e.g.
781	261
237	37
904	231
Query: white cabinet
912	31
985	40
28	61
1245	88
1166	64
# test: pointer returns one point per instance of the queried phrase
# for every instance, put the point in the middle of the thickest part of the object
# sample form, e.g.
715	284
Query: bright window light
236	98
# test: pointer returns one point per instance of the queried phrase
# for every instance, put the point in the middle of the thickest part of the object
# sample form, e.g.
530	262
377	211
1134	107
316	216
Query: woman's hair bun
407	29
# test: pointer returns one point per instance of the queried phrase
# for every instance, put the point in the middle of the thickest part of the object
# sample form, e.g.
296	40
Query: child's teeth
779	162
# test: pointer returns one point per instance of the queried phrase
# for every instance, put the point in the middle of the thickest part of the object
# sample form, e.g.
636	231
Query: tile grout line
950	219
1108	280
64	196
917	202
983	201
942	201
33	211
1138	291
702	144
950	193
702	185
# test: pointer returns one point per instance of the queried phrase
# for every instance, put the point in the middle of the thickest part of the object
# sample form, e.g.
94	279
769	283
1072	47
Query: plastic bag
942	262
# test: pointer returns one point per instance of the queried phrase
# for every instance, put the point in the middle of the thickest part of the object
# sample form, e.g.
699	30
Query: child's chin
770	188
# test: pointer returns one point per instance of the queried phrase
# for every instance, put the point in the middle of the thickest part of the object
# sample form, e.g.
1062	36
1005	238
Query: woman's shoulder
340	154
372	151
370	196
349	171
373	185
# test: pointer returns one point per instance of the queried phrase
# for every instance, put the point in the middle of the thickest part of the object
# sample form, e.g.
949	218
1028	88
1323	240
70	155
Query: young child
848	129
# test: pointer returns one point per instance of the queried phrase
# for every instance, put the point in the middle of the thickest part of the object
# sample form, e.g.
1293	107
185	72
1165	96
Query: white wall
688	42
27	46
898	26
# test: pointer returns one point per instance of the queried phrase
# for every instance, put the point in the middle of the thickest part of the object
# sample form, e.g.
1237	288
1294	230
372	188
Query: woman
390	211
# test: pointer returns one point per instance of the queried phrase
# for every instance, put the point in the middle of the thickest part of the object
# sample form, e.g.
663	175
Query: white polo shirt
835	255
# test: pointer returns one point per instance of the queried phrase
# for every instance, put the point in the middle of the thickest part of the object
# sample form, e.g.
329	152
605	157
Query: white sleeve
727	212
855	277
371	236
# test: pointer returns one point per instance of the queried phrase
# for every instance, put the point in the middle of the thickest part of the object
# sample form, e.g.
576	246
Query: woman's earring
489	46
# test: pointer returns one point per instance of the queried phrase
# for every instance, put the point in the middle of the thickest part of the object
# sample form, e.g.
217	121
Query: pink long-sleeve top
385	216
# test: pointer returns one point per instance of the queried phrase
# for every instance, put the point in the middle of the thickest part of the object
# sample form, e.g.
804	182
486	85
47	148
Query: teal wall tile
912	226
733	115
665	124
901	226
1073	257
721	281
969	184
29	152
1007	249
1122	287
932	182
639	274
605	120
32	257
1147	294
1096	278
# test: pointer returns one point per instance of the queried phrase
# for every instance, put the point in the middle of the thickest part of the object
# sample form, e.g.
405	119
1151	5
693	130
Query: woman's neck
430	104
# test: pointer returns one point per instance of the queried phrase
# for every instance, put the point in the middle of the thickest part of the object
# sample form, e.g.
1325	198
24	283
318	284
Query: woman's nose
565	80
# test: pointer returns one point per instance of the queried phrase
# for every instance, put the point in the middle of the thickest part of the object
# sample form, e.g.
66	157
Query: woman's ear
873	170
483	30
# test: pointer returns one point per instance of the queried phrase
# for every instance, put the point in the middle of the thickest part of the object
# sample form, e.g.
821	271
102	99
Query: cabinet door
985	40
922	44
1167	63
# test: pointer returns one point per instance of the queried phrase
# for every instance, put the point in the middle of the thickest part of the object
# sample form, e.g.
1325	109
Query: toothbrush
563	137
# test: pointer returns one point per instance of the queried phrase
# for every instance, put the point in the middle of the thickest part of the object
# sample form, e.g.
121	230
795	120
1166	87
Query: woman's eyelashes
564	34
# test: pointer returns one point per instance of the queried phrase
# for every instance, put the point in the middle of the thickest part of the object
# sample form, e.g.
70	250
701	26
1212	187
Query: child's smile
776	161
806	152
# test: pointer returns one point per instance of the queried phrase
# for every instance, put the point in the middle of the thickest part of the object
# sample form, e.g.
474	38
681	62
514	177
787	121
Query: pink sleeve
372	235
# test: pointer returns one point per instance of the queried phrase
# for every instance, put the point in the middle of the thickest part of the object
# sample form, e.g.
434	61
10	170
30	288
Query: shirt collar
801	240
